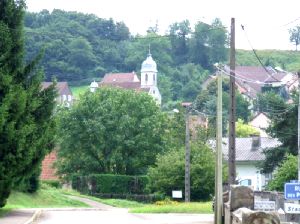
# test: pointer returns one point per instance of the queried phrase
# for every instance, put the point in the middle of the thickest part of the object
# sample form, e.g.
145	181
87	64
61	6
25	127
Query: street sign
176	194
292	191
264	205
292	208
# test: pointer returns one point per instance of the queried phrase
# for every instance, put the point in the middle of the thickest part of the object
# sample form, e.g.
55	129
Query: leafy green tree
245	130
26	123
283	126
286	171
186	81
208	44
295	36
206	102
168	172
179	33
113	131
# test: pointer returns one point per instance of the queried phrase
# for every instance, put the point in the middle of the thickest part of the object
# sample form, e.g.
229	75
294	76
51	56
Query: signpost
292	191
264	205
176	194
292	208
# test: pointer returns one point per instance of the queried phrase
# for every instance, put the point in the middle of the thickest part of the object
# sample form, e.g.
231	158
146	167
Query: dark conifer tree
26	122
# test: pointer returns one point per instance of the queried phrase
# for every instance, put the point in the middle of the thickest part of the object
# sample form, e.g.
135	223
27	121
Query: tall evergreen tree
26	123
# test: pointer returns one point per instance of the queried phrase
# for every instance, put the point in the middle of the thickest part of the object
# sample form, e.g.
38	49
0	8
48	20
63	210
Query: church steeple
149	71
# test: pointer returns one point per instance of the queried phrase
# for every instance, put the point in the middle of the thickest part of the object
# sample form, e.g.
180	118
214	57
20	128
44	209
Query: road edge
35	216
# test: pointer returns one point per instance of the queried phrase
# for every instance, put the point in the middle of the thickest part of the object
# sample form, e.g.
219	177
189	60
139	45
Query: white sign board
176	194
292	208
264	205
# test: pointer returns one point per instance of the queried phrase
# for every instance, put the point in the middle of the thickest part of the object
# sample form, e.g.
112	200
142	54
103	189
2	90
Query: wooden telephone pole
232	109
218	170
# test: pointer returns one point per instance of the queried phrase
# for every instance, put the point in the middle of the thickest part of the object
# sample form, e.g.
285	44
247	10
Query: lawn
78	90
46	197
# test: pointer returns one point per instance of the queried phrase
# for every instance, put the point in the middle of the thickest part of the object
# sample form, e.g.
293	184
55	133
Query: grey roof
244	151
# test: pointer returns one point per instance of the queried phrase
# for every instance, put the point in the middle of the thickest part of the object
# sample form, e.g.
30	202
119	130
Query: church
148	82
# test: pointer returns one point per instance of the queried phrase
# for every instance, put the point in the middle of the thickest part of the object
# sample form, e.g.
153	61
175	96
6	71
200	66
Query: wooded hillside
80	48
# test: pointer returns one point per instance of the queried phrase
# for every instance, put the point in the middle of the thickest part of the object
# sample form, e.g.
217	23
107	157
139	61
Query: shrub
52	183
169	172
110	184
287	171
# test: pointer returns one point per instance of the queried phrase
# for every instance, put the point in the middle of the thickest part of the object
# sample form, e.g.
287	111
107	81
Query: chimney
256	142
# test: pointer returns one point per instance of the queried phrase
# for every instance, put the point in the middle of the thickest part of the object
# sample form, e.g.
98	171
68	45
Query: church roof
125	85
120	77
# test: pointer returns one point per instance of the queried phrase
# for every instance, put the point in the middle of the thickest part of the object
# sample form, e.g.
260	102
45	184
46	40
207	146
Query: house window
246	182
64	98
153	77
146	77
153	91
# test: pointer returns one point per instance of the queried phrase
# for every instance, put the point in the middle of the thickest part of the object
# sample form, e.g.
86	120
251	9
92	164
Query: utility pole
232	109
218	169
187	176
298	73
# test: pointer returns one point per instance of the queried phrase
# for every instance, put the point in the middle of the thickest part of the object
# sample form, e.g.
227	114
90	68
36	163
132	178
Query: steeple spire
149	54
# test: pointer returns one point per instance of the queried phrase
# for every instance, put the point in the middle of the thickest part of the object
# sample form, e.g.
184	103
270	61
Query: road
105	214
118	216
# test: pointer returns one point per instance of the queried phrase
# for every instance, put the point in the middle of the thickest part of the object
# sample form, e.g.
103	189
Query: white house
249	151
261	122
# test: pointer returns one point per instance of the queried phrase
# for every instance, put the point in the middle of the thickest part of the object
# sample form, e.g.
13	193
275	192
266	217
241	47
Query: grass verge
166	206
192	207
46	197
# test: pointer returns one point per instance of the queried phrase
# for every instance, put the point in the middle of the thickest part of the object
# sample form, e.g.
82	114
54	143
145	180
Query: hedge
110	184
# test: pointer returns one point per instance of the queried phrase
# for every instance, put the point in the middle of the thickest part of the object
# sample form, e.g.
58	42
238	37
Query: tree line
82	47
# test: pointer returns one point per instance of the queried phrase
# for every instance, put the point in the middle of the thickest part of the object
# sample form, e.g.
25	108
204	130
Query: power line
254	51
290	22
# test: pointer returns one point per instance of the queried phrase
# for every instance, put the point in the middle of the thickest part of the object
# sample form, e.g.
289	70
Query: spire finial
149	54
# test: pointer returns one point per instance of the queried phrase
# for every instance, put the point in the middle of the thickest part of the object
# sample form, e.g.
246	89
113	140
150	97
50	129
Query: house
148	82
249	151
65	96
261	122
257	79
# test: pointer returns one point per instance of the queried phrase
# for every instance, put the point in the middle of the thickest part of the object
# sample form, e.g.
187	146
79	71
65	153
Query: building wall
48	171
250	171
260	123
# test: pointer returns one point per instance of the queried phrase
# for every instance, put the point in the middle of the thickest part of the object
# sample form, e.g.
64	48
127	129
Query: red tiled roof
48	171
125	85
258	74
118	77
62	87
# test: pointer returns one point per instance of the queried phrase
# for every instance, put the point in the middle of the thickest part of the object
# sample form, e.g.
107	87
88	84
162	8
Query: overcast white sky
266	21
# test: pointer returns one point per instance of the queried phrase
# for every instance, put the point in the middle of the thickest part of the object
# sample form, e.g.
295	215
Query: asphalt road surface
118	216
104	214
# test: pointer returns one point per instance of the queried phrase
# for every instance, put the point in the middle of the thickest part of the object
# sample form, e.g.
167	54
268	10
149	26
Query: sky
266	22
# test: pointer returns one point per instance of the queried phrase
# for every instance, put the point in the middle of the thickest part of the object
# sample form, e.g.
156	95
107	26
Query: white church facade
148	82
